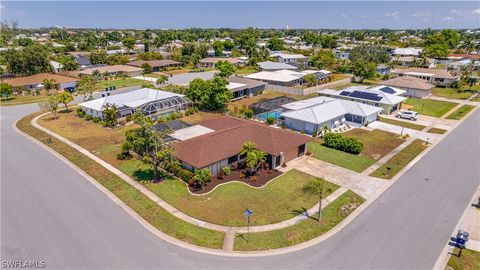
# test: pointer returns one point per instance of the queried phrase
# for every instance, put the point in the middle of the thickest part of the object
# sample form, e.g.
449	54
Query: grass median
400	160
431	107
137	201
401	123
470	260
460	112
306	230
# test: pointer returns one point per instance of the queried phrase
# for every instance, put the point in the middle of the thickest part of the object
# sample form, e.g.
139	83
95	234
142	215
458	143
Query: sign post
247	214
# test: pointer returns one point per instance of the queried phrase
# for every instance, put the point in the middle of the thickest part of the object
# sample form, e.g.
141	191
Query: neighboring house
411	61
243	87
380	96
342	54
459	65
35	82
211	53
220	148
184	79
157	65
114	70
270	105
439	77
383	69
294	59
273	66
56	66
407	52
314	114
210	62
151	102
287	77
82	60
415	87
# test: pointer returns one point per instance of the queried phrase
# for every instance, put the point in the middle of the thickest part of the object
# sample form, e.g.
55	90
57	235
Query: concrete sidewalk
417	134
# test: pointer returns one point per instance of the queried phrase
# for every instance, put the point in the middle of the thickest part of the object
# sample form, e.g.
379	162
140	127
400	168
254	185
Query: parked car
410	115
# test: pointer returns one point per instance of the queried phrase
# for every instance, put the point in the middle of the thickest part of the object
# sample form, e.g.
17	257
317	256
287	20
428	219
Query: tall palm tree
49	84
316	187
254	158
247	147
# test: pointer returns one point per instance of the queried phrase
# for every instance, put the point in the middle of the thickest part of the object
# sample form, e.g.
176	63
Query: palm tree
254	156
96	74
203	176
316	187
110	114
49	84
162	79
247	147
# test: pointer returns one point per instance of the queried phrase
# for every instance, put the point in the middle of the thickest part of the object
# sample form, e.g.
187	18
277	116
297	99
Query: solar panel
363	95
388	90
345	93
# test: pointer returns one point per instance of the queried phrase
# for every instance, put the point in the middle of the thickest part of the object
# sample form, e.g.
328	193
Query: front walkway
363	185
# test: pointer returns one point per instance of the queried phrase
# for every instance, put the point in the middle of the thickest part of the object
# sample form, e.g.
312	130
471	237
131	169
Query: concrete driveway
426	120
432	138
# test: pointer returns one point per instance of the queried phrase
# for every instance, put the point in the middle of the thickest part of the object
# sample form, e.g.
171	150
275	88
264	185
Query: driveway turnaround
51	213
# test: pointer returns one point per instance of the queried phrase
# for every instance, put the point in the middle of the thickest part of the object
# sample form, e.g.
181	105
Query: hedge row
342	143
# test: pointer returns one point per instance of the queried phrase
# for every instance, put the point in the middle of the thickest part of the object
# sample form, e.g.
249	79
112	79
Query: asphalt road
51	213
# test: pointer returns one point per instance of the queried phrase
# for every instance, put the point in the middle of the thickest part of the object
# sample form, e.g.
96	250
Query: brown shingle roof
437	73
38	79
230	133
408	82
154	63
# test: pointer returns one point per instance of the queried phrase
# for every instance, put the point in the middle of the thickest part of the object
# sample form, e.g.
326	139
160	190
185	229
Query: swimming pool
274	114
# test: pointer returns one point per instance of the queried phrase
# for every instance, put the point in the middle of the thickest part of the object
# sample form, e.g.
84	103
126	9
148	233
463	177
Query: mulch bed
262	177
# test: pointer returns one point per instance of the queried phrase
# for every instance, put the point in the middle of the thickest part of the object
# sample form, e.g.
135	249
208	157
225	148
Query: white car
410	115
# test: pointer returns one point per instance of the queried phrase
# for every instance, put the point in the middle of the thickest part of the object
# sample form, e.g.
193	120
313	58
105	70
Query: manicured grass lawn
279	200
402	123
376	144
306	230
436	130
138	202
19	99
435	108
447	92
400	160
470	260
246	70
200	116
102	84
460	112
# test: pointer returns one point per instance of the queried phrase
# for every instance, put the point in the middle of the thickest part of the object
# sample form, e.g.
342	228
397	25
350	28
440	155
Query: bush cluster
178	171
270	120
342	143
249	113
80	112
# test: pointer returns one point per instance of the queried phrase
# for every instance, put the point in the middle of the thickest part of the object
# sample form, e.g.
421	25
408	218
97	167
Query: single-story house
150	101
157	65
409	61
379	96
210	62
313	114
434	76
458	65
295	59
383	69
342	54
220	148
270	105
114	70
414	86
56	66
184	79
243	87
407	51
287	77
273	66
35	82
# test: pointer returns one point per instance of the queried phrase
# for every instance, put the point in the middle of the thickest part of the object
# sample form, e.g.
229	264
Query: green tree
162	79
275	44
147	68
195	90
364	70
110	115
316	188
51	105
149	56
68	62
28	61
216	95
65	98
203	176
323	59
254	157
370	53
218	47
6	90
86	86
98	57
129	42
49	84
310	79
452	38
226	68
438	50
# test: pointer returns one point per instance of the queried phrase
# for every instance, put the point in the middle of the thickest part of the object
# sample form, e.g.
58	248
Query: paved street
50	213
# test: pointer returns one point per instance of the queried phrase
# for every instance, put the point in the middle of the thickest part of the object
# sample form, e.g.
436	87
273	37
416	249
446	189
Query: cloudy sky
236	14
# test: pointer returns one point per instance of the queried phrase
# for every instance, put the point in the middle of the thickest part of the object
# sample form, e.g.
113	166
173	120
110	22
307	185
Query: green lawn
460	112
306	230
246	70
470	260
447	92
16	100
402	123
435	108
279	200
119	83
436	130
142	205
376	144
400	160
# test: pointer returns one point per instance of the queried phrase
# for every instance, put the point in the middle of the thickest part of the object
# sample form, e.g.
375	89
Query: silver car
410	115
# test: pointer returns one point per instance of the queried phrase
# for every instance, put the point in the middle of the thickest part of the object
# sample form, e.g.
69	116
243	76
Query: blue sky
266	14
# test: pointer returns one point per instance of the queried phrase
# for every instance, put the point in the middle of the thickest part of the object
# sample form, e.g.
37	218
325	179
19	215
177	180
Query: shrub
253	179
128	118
226	170
270	120
96	120
80	112
241	175
315	134
88	117
249	113
342	143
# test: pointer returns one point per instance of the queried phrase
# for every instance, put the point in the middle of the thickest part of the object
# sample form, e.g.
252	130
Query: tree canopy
370	53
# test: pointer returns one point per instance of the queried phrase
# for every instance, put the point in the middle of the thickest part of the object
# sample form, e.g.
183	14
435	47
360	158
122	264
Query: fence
284	89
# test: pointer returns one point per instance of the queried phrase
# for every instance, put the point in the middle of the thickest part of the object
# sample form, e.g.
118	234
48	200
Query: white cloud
421	14
2	7
476	11
394	15
344	16
448	18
